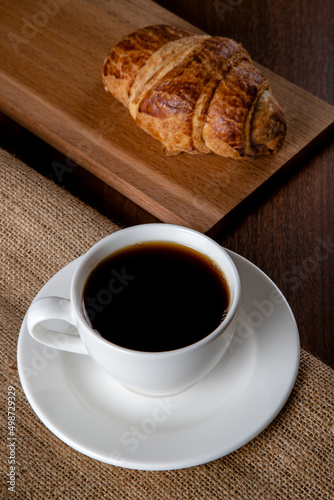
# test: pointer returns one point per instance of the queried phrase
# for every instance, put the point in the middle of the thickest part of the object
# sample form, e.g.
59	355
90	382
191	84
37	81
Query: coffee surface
155	296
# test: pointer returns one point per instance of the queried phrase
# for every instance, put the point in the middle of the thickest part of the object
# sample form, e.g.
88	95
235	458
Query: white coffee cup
150	373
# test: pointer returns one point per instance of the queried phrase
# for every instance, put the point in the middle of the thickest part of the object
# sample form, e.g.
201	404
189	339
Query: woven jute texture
43	227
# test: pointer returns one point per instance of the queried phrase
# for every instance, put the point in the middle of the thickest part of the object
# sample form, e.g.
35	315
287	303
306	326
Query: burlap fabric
43	227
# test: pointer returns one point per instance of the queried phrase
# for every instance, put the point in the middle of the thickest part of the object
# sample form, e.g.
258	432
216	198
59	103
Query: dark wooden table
289	233
288	230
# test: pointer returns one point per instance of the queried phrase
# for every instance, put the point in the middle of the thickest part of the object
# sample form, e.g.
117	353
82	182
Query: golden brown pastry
195	93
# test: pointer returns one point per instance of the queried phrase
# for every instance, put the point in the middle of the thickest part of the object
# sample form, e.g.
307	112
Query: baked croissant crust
195	93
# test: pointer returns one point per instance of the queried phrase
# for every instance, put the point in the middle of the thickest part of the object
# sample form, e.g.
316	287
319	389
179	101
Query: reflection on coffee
155	296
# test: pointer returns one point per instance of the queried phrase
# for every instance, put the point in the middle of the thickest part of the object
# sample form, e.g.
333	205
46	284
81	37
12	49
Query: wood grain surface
54	89
287	228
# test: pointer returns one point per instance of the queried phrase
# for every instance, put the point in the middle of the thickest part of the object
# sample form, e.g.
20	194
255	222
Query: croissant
195	93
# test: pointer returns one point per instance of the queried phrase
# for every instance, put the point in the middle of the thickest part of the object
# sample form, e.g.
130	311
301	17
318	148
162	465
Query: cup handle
54	308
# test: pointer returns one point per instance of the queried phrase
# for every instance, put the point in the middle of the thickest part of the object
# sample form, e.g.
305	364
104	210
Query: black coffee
155	296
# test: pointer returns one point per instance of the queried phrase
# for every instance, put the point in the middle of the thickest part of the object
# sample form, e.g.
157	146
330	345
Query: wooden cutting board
51	58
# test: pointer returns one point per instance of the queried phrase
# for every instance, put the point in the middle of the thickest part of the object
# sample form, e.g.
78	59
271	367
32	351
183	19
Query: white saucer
95	415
